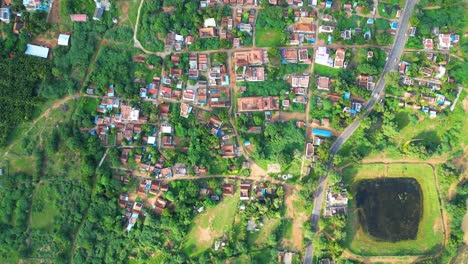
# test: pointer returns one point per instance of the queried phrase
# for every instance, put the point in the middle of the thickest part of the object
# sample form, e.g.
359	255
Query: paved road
392	62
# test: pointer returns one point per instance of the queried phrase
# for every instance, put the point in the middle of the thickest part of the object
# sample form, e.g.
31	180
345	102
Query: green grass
288	228
267	37
323	70
383	8
269	226
43	219
430	233
382	24
215	221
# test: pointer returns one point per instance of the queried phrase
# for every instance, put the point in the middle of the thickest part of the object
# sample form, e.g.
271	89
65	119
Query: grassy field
261	238
211	225
323	70
382	24
267	37
430	232
45	218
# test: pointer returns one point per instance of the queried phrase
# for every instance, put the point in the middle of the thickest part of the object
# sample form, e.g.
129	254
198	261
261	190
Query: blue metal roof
321	132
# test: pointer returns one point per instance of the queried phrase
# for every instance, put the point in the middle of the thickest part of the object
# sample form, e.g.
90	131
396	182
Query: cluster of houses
114	113
101	6
318	135
248	65
295	56
324	57
428	104
336	203
303	30
214	93
431	77
444	41
244	21
132	209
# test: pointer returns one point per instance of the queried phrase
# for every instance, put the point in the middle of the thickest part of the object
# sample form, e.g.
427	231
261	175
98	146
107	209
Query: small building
228	189
428	44
37	51
5	15
98	12
245	191
444	41
79	17
323	83
321	132
63	39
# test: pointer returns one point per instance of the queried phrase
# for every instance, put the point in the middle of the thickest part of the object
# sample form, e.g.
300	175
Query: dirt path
464	226
384	259
54	14
431	161
297	218
43	115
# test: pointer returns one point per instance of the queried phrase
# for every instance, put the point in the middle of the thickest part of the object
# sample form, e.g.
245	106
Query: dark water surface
390	209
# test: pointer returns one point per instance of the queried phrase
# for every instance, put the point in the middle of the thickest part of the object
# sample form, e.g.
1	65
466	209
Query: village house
300	81
185	110
309	151
166	172
202	93
339	59
179	170
159	205
132	215
323	57
251	57
207	32
219	97
252	104
202	62
428	44
403	67
366	81
228	151
323	83
335	203
446	41
326	29
295	39
228	189
245	191
289	55
255	74
305	28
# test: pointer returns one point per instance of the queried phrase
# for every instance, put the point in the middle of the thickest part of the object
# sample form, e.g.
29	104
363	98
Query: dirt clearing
54	15
297	217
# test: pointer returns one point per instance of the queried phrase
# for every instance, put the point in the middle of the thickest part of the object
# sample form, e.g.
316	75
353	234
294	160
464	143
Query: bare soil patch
44	40
465	226
465	105
204	234
54	15
297	218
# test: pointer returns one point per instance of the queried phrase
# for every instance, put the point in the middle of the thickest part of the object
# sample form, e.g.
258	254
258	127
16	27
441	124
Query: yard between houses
211	225
430	231
326	71
267	37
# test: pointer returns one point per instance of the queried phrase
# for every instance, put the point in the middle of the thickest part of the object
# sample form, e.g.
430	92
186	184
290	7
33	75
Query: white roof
166	129
210	22
63	39
151	140
37	51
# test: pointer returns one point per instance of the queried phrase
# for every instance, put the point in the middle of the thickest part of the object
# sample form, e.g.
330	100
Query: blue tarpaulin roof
321	132
347	95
